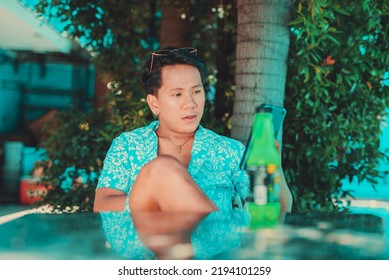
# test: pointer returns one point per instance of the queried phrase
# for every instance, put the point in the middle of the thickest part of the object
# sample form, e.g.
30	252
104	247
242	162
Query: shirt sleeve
117	169
240	178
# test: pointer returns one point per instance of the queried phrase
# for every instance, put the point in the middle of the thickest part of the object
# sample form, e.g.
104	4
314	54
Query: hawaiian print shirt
214	165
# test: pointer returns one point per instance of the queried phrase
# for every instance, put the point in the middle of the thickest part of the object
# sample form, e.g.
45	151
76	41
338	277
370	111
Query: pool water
379	208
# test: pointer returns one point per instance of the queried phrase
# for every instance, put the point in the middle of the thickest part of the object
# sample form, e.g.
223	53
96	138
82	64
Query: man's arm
108	199
286	198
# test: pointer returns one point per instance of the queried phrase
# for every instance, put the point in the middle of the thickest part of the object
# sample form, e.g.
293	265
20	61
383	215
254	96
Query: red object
329	60
30	191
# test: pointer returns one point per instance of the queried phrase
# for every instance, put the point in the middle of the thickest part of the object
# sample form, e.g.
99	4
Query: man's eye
177	94
197	91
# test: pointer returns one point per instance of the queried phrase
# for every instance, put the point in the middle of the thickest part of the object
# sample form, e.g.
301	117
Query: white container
260	194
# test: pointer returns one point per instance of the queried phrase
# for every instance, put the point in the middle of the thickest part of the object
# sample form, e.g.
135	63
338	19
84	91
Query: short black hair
151	82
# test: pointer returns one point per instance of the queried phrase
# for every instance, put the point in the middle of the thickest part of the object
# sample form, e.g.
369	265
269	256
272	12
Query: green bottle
261	153
261	149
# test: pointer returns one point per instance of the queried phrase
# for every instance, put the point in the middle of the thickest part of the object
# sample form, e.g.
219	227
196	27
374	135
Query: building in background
40	72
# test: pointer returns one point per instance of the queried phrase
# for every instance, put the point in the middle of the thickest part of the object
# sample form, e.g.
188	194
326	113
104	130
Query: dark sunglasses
167	52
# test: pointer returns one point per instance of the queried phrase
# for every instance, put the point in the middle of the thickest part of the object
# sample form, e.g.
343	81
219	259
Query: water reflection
147	236
188	236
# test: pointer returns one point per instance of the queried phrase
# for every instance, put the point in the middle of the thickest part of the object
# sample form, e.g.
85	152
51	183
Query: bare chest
181	153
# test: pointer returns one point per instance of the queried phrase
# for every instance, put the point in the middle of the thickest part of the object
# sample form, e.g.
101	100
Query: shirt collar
153	126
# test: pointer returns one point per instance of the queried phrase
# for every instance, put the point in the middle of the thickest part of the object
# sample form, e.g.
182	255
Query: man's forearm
286	198
112	202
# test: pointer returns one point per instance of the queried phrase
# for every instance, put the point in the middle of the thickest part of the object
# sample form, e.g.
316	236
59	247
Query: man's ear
152	100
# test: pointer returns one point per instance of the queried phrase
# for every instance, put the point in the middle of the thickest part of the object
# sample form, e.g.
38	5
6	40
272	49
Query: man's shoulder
217	139
140	133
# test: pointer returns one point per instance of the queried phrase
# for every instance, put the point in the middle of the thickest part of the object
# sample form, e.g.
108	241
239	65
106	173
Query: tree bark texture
174	30
261	59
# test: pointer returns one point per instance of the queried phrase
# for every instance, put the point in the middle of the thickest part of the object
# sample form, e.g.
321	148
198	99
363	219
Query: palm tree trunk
261	59
175	27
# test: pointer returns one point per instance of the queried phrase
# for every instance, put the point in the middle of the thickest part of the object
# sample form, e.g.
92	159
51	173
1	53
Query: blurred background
41	72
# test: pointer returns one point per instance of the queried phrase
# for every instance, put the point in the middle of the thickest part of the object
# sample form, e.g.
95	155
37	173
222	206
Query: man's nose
190	102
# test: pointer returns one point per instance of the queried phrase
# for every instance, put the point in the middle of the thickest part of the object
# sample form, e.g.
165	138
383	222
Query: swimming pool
379	208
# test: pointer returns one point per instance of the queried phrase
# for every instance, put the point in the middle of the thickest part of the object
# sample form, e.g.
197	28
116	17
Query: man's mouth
190	117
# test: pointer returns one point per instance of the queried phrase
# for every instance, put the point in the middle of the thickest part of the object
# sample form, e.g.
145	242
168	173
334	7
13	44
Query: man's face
180	100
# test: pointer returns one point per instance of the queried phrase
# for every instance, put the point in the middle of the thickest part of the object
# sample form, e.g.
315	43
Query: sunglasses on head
167	52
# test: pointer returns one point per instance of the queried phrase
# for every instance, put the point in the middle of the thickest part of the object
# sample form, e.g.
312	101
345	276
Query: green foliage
116	33
76	144
338	57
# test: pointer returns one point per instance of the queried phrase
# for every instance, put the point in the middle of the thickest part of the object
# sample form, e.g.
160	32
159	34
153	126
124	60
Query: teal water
375	207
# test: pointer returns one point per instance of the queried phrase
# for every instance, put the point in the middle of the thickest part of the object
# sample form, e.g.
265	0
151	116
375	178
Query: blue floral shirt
214	165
